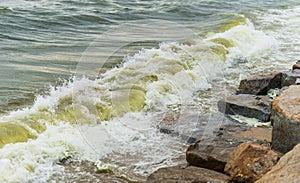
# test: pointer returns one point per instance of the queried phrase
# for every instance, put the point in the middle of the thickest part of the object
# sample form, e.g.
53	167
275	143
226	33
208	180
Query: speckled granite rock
250	161
286	170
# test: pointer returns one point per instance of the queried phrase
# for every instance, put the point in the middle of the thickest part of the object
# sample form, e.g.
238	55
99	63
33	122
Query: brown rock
247	105
250	161
189	174
260	85
286	170
260	133
286	119
297	65
213	152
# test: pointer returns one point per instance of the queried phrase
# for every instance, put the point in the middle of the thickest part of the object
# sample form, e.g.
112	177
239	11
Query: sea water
90	80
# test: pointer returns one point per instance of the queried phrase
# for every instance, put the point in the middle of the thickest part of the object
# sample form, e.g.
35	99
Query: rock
259	133
260	85
286	170
286	119
192	127
290	78
247	105
297	65
189	174
86	171
213	152
250	161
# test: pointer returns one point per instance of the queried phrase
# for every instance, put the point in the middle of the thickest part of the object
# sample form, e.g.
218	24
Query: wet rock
192	127
290	78
286	170
247	105
213	152
286	119
250	161
86	171
297	65
259	133
260	85
188	174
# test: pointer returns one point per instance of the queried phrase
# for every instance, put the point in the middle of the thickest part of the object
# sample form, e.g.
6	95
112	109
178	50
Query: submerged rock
260	85
247	105
250	161
87	171
286	170
192	127
188	174
286	119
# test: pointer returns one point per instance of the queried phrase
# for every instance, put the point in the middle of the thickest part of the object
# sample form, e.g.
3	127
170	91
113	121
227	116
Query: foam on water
89	119
284	25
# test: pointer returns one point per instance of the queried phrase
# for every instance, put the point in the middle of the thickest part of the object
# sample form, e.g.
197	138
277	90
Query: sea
85	84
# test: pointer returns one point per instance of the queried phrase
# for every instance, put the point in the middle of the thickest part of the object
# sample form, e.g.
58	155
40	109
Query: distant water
51	111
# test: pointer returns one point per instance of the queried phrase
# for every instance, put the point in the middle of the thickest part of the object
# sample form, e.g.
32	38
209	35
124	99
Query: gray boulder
260	85
251	106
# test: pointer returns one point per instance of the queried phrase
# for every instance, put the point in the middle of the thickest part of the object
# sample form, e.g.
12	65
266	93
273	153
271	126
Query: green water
42	41
43	44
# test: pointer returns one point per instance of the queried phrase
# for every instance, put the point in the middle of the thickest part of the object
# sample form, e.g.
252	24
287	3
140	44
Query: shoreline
234	150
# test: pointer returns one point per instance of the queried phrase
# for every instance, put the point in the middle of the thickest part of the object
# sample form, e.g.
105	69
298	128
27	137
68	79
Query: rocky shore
224	150
221	148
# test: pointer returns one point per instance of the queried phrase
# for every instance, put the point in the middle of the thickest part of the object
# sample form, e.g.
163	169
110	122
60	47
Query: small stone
250	106
260	85
297	65
286	170
250	161
188	174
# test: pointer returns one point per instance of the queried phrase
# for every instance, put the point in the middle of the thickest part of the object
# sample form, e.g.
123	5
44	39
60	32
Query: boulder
286	170
188	174
290	78
251	106
214	151
250	161
260	85
286	119
212	154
